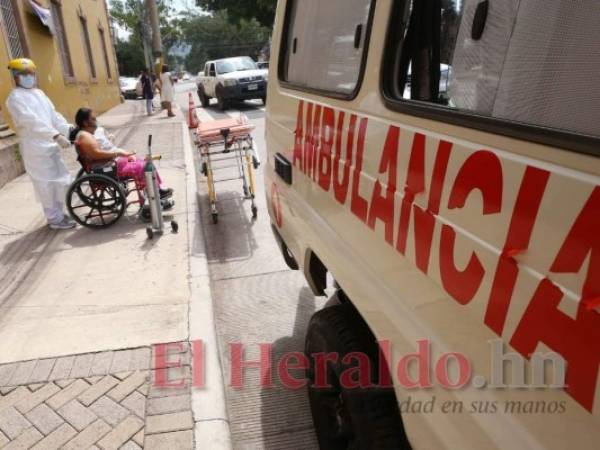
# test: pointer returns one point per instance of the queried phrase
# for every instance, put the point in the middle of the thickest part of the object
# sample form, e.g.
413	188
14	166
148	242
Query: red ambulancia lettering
482	171
359	206
382	206
523	219
327	138
299	137
340	187
415	184
576	339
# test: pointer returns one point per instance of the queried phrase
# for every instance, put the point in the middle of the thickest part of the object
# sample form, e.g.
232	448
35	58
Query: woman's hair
82	116
165	68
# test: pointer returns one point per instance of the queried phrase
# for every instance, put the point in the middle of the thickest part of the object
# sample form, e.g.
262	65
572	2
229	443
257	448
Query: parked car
231	79
128	87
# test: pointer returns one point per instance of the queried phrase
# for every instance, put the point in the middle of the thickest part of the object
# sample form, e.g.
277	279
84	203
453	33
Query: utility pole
157	50
144	35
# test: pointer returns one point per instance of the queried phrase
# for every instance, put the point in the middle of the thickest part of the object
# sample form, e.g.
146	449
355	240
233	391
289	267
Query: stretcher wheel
254	212
174	227
150	233
204	169
246	192
215	218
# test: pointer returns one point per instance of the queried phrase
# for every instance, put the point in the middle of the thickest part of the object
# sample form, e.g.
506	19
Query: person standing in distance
42	131
167	91
148	90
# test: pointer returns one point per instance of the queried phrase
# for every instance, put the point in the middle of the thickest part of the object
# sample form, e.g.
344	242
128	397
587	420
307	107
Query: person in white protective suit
42	132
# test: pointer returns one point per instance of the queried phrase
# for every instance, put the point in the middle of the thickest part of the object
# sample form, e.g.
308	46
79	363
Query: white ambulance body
462	213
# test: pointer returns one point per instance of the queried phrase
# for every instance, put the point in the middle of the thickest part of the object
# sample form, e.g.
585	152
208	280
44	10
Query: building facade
72	46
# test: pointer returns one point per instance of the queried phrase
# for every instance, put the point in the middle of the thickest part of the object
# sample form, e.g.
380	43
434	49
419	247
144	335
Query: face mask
27	81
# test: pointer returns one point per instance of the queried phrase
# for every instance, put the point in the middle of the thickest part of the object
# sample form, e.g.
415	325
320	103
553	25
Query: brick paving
95	401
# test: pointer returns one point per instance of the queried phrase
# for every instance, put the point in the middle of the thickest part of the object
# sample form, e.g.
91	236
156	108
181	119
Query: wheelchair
98	198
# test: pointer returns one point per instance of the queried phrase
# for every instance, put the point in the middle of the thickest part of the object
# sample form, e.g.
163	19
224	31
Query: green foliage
130	56
261	10
128	14
215	36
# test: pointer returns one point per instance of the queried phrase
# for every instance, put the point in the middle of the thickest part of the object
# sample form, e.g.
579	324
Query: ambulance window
323	45
535	62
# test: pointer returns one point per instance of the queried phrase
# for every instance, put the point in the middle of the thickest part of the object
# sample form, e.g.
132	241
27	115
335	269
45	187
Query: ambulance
434	167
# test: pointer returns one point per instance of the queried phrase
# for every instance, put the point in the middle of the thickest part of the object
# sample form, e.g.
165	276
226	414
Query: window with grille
335	68
105	51
532	63
11	29
61	39
87	46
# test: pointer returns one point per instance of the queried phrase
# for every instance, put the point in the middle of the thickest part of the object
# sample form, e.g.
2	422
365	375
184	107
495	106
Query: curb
209	405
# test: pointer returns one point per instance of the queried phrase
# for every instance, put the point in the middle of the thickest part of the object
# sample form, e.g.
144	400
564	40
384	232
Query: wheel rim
95	202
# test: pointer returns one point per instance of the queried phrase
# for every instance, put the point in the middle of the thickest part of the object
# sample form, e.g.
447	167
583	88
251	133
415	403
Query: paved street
258	300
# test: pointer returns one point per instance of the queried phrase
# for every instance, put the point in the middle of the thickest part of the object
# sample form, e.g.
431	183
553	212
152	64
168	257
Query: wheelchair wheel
96	201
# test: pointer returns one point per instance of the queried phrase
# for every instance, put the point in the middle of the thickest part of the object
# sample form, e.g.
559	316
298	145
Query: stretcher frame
222	141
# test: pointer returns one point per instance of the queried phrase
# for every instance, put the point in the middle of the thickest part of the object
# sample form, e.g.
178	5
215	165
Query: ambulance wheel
150	233
96	201
345	417
174	227
254	212
215	218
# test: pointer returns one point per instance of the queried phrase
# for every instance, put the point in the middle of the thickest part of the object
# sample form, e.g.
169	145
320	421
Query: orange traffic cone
192	117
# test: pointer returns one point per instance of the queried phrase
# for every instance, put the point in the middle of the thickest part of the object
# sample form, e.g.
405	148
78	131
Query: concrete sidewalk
80	310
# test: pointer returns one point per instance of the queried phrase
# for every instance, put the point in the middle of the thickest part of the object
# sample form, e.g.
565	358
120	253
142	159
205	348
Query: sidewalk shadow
85	237
19	259
232	239
285	413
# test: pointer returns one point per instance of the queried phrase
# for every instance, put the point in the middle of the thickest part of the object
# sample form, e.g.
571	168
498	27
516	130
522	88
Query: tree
130	56
129	15
215	36
261	10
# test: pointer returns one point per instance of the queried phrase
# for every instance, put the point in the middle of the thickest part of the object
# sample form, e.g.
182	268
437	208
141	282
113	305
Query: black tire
204	99
80	174
215	218
222	103
174	227
254	212
150	233
96	201
350	418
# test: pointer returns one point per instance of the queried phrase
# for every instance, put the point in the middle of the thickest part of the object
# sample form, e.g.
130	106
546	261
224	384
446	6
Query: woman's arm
90	148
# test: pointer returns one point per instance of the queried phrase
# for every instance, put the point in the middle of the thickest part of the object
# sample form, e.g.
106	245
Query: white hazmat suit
37	123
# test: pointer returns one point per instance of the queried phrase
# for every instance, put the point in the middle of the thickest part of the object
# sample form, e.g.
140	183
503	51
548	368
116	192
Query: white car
232	79
128	87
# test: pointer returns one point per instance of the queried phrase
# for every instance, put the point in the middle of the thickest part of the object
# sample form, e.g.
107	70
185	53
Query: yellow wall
100	94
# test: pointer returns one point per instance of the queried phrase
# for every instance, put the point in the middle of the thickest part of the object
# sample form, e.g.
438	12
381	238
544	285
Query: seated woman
98	148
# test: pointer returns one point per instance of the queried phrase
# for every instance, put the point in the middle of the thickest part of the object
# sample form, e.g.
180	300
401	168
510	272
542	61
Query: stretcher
224	145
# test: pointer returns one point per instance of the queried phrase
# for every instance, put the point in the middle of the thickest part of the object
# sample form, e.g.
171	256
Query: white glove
62	141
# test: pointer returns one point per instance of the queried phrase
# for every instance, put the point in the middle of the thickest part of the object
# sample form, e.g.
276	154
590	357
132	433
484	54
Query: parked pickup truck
231	79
